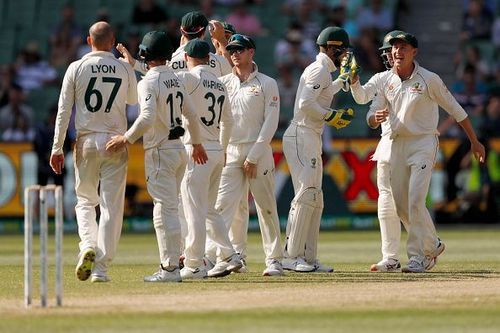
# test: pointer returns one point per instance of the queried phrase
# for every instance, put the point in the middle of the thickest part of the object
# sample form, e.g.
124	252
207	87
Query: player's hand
127	57
478	151
217	32
250	169
57	163
339	118
199	154
116	142
381	115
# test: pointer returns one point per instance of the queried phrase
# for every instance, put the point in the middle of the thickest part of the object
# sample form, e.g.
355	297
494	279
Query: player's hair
101	33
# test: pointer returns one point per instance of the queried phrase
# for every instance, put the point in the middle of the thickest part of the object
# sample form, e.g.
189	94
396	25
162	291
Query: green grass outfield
462	293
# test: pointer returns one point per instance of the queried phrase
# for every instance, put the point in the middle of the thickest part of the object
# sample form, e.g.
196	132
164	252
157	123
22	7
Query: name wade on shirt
171	83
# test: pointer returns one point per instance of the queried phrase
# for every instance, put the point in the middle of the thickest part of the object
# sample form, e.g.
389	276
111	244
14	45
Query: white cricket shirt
255	108
413	103
217	64
212	107
100	86
315	93
163	101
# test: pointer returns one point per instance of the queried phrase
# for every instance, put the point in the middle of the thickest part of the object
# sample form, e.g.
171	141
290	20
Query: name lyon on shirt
213	85
103	69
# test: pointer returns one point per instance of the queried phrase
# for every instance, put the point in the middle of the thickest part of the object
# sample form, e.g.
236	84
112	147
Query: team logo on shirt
254	90
313	163
416	88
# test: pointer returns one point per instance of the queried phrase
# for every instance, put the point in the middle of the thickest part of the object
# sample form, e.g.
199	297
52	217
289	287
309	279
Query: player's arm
128	58
65	106
199	154
271	119
362	94
133	92
226	124
378	112
220	42
440	93
148	95
315	82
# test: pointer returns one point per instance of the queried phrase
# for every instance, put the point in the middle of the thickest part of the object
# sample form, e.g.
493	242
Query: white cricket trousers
412	161
239	237
302	148
389	221
235	184
100	178
165	168
199	193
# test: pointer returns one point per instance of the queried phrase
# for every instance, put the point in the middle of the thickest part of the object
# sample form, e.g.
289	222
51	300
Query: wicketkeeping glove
339	118
348	69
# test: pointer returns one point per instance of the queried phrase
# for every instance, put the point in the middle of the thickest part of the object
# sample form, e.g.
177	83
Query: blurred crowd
294	26
473	190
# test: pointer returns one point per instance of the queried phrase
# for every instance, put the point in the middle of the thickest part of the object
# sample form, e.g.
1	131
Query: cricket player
100	86
193	26
163	100
390	222
254	101
413	95
201	183
302	147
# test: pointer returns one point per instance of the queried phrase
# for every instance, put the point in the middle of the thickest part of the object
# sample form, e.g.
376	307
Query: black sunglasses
237	50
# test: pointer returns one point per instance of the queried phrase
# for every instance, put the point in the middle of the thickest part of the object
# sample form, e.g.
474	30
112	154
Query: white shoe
96	278
431	261
209	264
163	275
193	273
415	265
386	266
225	267
244	268
297	265
273	269
321	268
85	264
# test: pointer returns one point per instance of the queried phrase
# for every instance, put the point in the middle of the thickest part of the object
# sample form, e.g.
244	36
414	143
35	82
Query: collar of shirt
252	75
200	68
159	69
98	53
179	50
415	70
325	60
